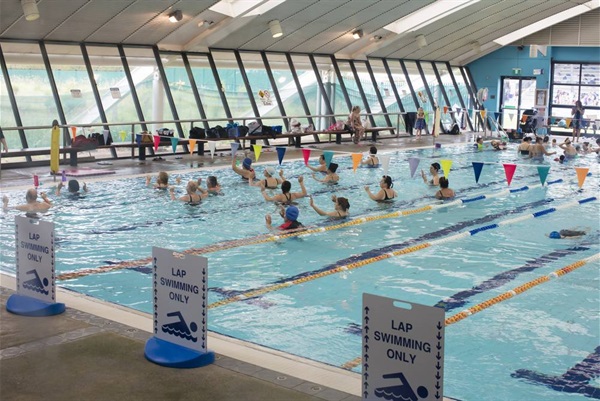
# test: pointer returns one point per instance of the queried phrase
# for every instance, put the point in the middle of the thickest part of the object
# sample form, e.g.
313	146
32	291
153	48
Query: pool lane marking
264	238
382	256
502	297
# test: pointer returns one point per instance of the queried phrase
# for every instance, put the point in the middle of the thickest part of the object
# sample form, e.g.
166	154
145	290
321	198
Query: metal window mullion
190	74
132	89
412	90
336	68
362	92
13	103
394	89
54	88
213	67
238	58
288	56
378	94
274	88
313	63
97	98
425	84
471	95
459	95
443	90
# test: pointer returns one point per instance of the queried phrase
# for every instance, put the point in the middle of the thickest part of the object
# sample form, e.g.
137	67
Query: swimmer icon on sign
400	392
35	284
180	328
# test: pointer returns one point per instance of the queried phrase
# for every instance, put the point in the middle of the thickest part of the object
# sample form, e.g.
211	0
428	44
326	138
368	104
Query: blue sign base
172	355
28	306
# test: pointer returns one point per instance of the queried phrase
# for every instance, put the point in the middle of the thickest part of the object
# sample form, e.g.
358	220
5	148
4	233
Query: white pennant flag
385	163
212	146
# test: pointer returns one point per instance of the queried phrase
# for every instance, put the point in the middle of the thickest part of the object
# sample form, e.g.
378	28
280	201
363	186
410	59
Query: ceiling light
275	28
30	10
357	34
421	41
175	16
476	47
376	38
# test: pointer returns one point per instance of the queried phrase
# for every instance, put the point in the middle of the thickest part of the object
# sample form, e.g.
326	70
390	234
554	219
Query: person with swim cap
567	233
246	172
290	219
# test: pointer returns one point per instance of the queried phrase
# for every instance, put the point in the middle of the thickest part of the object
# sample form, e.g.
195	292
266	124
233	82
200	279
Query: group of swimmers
541	146
33	205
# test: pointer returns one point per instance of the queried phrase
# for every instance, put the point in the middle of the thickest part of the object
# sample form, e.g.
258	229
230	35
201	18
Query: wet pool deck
95	350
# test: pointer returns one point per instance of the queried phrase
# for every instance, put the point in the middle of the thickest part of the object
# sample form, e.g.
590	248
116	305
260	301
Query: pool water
546	330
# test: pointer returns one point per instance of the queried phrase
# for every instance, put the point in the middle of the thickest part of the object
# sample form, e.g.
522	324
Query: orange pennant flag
445	109
73	132
356	158
581	174
482	114
568	122
192	146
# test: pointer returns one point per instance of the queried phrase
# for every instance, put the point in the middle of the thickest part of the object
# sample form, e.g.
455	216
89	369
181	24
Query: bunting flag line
257	150
234	148
156	142
446	164
509	170
385	163
581	174
138	139
328	155
356	159
281	153
212	146
496	115
192	146
306	155
543	173
477	167
174	142
122	135
413	163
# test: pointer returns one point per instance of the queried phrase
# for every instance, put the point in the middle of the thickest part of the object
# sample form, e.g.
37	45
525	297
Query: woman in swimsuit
444	192
290	219
246	172
192	197
386	193
322	165
162	180
372	160
434	169
570	151
269	182
523	148
341	208
286	197
331	177
538	151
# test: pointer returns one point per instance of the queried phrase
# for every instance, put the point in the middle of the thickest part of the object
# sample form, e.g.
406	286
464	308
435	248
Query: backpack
197	133
455	130
83	143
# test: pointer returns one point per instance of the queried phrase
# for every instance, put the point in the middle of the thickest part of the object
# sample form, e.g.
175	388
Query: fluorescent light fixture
175	16
235	8
428	15
546	22
30	10
263	8
357	34
275	28
421	41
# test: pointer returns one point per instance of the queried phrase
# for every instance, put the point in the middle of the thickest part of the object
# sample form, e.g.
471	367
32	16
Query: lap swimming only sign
402	350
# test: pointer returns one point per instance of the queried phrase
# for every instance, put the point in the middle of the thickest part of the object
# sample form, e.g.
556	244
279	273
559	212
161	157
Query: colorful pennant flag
156	141
138	139
482	112
581	174
281	153
509	170
212	146
446	164
192	146
445	109
234	148
257	150
543	173
477	167
306	155
122	135
328	155
413	163
568	120
356	158
74	132
385	163
174	142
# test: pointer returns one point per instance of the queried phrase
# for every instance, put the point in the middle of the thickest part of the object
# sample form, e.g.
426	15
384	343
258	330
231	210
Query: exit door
518	95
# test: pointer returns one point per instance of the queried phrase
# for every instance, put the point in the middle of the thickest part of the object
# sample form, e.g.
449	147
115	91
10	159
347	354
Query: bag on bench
197	133
100	138
83	143
255	128
165	135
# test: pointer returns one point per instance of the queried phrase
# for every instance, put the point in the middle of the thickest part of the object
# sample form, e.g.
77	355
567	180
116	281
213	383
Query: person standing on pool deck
246	172
386	193
290	219
434	169
286	197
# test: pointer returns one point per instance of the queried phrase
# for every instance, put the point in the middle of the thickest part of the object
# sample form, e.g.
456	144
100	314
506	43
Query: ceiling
309	26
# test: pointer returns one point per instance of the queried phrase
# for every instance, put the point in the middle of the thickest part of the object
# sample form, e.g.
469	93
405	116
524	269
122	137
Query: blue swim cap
555	234
292	213
247	163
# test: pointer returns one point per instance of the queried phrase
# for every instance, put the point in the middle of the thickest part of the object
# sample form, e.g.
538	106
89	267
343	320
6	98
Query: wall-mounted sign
76	93
516	71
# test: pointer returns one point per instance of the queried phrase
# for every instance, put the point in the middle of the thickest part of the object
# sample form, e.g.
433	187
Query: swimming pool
303	294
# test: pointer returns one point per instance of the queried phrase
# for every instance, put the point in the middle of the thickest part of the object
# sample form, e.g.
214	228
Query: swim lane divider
351	266
270	238
502	297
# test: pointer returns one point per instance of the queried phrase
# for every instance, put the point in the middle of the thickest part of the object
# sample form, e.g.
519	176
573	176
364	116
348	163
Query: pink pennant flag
413	162
446	164
509	170
156	141
306	156
477	167
257	150
581	174
543	173
356	158
174	142
192	146
234	148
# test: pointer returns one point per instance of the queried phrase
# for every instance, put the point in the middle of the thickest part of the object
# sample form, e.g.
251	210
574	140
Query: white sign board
180	283
403	350
35	258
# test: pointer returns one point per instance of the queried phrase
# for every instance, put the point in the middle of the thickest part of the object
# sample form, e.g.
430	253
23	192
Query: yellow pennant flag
568	121
123	135
446	164
356	158
581	174
192	146
482	113
257	150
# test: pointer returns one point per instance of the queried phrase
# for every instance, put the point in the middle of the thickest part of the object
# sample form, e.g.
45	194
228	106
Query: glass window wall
208	90
233	86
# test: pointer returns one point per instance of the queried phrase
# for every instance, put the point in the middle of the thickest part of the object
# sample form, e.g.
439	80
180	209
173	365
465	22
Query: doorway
517	95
